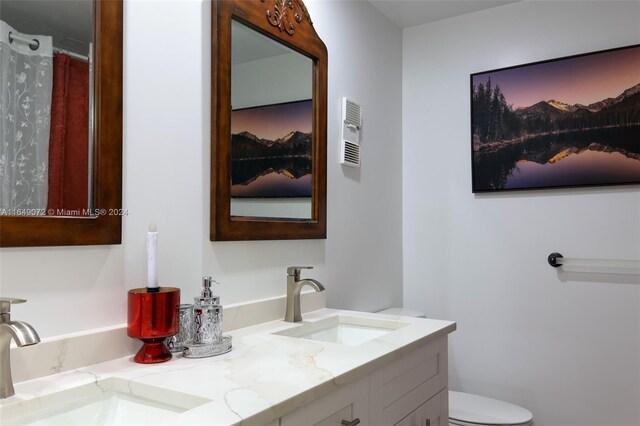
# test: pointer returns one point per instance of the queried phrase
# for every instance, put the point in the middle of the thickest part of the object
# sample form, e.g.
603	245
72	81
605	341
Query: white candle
152	270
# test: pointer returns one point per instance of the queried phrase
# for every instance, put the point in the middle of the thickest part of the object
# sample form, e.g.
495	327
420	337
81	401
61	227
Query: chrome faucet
22	333
294	285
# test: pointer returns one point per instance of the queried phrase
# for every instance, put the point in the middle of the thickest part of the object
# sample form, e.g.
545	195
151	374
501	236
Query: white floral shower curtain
25	110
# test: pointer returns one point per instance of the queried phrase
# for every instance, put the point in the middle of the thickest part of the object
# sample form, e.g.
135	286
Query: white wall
360	263
364	245
166	180
566	346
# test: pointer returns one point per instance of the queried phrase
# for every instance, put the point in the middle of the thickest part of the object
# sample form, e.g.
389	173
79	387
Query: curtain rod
72	54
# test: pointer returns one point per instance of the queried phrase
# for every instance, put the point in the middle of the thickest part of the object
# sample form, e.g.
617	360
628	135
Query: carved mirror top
279	14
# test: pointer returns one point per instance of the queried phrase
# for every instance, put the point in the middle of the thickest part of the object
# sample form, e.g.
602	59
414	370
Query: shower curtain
25	109
68	148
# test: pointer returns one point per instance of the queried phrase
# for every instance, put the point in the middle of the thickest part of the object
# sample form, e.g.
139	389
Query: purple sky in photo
273	121
583	80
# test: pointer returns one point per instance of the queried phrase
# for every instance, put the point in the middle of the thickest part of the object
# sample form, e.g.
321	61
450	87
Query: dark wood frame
288	22
30	231
473	171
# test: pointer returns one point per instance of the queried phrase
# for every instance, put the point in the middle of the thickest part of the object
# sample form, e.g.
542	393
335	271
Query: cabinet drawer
432	413
407	383
347	403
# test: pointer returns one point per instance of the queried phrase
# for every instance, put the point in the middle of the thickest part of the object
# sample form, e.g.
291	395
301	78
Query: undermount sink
111	401
343	329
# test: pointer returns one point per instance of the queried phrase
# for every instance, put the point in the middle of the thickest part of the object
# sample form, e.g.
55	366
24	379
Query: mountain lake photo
562	123
271	151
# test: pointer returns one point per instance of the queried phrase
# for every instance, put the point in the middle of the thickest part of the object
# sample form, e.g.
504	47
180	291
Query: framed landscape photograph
271	148
566	122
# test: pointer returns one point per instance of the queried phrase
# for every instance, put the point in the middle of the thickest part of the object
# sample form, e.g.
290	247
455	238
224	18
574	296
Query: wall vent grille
351	125
351	154
353	114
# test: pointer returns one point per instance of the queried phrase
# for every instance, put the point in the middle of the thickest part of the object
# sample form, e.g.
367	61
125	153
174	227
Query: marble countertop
264	377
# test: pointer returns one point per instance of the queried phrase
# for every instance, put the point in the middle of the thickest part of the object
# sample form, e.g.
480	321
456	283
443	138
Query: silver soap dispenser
207	325
207	315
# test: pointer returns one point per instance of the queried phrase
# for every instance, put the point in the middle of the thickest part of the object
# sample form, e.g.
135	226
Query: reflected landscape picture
567	122
271	150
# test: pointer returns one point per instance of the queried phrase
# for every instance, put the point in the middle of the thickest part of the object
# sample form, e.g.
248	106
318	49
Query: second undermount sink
344	329
111	401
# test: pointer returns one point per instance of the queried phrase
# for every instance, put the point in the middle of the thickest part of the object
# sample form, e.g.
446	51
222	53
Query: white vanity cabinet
409	391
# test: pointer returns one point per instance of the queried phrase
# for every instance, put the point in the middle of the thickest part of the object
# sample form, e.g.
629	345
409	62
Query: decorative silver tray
203	350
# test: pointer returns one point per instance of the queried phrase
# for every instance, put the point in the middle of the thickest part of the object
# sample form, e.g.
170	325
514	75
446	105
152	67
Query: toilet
466	409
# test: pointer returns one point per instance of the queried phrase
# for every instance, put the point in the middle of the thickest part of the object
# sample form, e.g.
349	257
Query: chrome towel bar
630	266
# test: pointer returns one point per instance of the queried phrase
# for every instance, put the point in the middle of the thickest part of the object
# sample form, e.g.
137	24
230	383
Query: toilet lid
472	408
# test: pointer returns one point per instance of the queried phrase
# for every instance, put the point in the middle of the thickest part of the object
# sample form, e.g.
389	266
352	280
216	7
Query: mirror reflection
46	105
271	127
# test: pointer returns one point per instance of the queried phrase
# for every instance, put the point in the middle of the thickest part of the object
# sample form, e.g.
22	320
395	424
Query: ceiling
407	13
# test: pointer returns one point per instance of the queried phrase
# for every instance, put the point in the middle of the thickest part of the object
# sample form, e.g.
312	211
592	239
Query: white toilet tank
466	409
403	312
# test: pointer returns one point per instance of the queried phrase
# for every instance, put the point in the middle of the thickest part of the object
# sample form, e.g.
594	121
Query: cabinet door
407	383
348	403
428	414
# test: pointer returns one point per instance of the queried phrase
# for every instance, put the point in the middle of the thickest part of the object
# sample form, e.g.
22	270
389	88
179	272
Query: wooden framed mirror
269	120
100	222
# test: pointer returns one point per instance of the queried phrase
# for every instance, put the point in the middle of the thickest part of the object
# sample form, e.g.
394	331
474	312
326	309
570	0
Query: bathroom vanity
411	390
335	367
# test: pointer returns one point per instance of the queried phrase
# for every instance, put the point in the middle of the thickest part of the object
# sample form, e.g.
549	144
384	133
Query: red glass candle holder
152	317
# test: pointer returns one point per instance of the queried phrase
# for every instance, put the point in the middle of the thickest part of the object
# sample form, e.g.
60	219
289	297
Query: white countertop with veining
264	377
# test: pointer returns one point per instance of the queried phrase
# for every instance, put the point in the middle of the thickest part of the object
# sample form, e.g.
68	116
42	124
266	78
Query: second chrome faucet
21	332
294	286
